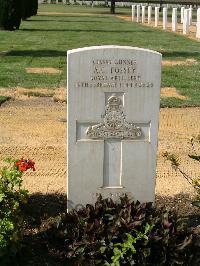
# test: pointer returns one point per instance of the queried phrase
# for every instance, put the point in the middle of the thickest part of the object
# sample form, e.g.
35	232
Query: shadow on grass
3	99
185	54
42	209
37	53
83	15
55	53
90	30
106	14
72	21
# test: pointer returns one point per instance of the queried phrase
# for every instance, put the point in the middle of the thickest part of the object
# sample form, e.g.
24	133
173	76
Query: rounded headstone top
107	47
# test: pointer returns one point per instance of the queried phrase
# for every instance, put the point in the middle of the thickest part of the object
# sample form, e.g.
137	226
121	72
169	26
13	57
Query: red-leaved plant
24	165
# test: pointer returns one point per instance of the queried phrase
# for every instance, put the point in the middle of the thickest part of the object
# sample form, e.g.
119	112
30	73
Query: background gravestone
113	112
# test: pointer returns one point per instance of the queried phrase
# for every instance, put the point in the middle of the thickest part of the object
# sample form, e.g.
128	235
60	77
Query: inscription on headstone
113	110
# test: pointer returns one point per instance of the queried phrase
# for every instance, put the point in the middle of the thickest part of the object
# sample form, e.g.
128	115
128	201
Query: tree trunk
112	7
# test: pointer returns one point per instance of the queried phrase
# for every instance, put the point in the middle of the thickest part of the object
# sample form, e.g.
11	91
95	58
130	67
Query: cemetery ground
33	121
42	41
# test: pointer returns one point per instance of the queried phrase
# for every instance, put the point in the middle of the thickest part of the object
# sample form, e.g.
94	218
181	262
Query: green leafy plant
120	233
122	249
195	182
4	99
12	197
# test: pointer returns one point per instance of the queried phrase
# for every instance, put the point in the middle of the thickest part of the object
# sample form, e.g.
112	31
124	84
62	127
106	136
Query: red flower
24	165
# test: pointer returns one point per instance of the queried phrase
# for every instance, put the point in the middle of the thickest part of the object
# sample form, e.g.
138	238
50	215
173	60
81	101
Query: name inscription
120	73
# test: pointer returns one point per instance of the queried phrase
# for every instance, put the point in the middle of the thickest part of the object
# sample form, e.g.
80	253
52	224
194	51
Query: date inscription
119	73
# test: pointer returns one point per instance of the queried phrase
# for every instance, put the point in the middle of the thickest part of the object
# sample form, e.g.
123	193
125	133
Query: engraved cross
113	130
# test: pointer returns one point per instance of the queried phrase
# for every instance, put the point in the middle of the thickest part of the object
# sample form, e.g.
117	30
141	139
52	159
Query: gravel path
35	128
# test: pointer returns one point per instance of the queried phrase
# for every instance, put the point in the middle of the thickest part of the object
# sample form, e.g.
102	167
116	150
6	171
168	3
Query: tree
10	14
29	8
12	11
112	7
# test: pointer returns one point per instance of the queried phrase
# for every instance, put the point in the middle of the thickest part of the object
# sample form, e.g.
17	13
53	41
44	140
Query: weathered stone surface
143	14
149	14
138	14
186	22
133	13
174	19
164	18
198	24
156	16
113	111
182	13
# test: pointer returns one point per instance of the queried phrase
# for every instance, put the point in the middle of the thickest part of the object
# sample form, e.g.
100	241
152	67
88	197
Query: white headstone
113	111
164	18
174	19
143	14
186	22
149	14
198	30
198	15
198	24
138	13
182	13
49	1
133	12
56	1
156	16
64	2
190	16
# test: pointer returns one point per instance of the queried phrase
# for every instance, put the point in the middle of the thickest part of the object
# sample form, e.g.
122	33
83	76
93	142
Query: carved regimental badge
114	123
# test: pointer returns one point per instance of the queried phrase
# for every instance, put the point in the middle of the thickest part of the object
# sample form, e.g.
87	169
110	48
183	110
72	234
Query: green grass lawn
83	9
43	41
3	99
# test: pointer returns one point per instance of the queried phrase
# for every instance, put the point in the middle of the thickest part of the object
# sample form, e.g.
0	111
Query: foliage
112	6
12	11
121	250
10	14
195	182
12	197
4	99
29	8
120	233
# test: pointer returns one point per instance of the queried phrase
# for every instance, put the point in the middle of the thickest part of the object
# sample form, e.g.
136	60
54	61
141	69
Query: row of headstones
186	17
82	2
57	1
92	3
198	24
99	3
